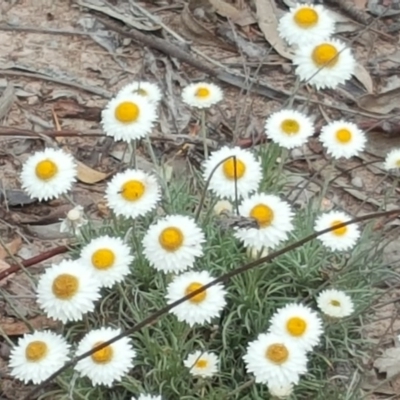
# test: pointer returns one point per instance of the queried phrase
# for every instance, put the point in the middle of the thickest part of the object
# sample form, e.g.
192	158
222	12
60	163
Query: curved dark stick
34	260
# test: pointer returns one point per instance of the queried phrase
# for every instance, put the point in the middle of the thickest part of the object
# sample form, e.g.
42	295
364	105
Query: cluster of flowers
174	243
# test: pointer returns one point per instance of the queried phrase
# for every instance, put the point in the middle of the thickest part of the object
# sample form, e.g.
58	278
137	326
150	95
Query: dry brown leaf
268	23
360	4
389	362
12	247
239	17
382	103
364	77
89	175
18	328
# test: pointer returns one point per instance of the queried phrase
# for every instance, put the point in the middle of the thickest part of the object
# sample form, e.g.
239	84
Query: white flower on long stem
38	355
274	218
48	174
202	363
202	307
392	160
305	24
150	91
339	239
202	95
109	364
325	64
128	117
239	175
335	303
342	139
74	221
173	243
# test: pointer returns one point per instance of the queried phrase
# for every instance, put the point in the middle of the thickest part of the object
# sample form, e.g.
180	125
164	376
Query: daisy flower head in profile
109	364
280	391
48	174
239	165
274	218
392	160
133	193
128	117
150	91
108	259
202	94
289	128
74	221
200	308
342	139
66	291
324	64
306	23
339	239
202	363
274	360
173	243
38	355
335	303
298	323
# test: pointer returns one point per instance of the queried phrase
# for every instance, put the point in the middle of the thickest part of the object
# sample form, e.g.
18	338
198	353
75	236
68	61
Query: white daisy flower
200	308
108	259
202	363
133	193
202	95
67	291
128	117
299	323
223	206
150	91
247	171
147	397
335	303
289	128
38	355
306	23
339	239
280	391
108	364
275	360
324	65
74	221
48	174
274	217
342	139
173	243
392	160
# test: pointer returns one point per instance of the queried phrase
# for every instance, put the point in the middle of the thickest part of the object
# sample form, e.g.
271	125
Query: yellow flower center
102	356
324	55
127	112
199	297
233	169
343	136
277	353
202	92
201	363
296	326
290	127
171	238
306	17
46	170
103	258
36	351
133	190
335	303
65	286
338	231
263	214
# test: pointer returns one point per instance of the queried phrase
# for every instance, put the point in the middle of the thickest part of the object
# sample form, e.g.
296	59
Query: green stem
204	133
132	154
